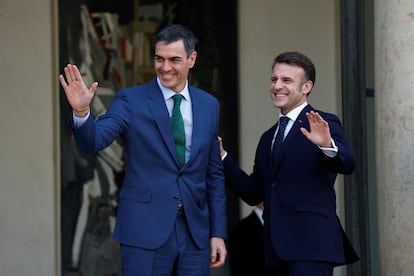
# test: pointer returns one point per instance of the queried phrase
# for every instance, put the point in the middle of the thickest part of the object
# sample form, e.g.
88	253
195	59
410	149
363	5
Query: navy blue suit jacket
300	217
147	207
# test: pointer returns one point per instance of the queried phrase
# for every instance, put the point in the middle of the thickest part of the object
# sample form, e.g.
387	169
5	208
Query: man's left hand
319	130
218	252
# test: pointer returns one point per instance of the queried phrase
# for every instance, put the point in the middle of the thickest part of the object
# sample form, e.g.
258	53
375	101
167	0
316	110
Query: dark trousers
302	269
280	267
177	256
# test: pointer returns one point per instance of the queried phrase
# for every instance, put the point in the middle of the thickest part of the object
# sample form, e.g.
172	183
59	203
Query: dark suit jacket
300	217
246	247
147	207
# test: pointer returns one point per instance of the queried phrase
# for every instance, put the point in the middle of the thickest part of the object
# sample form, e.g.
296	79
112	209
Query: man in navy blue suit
172	217
294	174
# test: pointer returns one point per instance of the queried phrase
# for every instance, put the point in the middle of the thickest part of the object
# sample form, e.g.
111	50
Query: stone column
394	94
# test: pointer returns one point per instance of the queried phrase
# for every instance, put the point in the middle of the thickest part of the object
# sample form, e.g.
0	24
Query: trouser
178	256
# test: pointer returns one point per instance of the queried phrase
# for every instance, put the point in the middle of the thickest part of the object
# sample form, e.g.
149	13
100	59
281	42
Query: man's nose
166	65
276	84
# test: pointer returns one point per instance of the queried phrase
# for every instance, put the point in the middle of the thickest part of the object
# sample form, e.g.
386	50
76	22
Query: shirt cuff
224	156
80	121
330	152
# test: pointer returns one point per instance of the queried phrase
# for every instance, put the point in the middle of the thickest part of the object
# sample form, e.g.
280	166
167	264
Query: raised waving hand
78	94
319	130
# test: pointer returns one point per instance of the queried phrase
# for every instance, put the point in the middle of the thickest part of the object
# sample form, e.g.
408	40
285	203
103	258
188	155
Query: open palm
78	94
319	133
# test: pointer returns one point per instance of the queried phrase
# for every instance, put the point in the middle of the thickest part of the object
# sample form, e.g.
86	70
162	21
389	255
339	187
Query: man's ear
307	87
193	58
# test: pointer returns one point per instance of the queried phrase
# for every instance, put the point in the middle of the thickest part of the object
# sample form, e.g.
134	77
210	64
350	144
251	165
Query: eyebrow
281	78
173	57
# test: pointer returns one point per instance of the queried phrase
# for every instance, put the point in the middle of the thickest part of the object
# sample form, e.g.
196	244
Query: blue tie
279	138
178	129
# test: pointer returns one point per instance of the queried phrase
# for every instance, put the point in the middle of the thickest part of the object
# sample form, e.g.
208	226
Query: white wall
28	167
267	28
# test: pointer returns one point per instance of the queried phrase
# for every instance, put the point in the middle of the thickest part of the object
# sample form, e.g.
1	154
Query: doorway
88	192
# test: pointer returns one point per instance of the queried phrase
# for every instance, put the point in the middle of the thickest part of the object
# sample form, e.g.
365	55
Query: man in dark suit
296	164
246	245
171	218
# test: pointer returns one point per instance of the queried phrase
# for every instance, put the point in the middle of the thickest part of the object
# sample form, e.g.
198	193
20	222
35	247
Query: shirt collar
294	113
168	93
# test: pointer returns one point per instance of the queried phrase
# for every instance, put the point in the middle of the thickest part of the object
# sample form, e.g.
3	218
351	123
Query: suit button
180	174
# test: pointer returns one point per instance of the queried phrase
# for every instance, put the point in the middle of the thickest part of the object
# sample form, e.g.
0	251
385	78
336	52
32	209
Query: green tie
178	129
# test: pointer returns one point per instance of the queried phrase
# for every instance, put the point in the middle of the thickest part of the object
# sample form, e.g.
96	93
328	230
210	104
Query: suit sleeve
243	185
344	161
94	136
216	190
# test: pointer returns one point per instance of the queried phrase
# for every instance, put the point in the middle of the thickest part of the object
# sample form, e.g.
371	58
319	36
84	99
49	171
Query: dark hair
298	59
176	32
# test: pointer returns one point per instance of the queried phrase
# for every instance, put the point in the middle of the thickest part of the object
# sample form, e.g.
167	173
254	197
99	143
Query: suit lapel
301	121
159	110
199	109
267	143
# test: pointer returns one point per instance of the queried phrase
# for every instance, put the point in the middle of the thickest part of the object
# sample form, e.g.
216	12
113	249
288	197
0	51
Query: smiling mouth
167	77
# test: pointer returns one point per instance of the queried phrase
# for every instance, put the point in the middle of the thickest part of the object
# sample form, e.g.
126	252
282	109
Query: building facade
363	52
